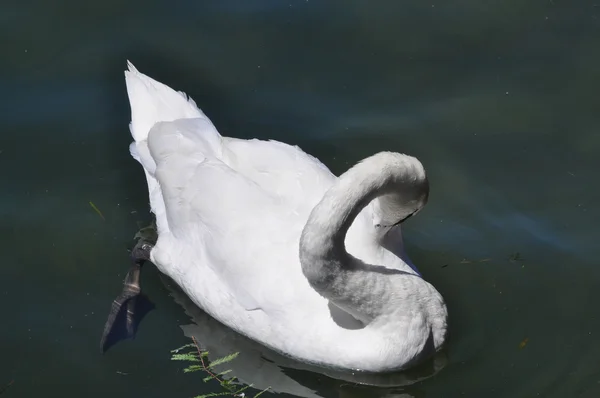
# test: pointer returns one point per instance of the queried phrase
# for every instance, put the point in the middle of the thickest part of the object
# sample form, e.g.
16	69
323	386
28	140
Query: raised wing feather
281	169
226	218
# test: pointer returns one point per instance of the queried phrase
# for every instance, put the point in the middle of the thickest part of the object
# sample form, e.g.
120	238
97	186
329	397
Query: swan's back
284	170
231	224
239	204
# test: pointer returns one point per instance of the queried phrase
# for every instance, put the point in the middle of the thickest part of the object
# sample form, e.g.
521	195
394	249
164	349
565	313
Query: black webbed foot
130	306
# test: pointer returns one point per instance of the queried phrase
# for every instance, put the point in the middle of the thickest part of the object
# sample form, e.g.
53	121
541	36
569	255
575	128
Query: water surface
498	100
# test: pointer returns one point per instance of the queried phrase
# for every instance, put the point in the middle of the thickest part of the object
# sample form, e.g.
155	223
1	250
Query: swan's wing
224	216
284	170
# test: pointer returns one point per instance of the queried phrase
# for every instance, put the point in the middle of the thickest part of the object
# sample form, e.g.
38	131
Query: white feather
230	215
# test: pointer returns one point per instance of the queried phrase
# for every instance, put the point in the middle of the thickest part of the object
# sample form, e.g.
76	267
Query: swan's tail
152	102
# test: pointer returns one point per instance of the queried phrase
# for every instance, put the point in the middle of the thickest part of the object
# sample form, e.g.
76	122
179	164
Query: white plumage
254	232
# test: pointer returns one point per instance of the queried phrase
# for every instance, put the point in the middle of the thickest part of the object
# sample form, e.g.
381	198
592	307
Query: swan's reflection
264	368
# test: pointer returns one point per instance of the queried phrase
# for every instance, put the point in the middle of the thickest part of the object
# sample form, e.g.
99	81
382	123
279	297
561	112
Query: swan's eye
398	223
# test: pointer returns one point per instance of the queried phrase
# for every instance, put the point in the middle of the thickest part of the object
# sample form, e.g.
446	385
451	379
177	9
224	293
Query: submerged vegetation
199	362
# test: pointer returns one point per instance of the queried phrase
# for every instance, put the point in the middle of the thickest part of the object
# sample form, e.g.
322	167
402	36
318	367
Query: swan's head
392	209
405	196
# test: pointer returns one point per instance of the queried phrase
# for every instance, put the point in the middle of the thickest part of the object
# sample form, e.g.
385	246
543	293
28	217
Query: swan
265	239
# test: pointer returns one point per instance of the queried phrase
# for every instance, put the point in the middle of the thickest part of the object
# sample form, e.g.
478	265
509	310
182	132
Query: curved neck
354	286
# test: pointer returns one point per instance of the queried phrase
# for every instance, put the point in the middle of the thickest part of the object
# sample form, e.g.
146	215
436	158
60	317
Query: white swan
268	241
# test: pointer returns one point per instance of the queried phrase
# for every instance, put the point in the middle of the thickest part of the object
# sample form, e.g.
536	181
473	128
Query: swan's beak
405	218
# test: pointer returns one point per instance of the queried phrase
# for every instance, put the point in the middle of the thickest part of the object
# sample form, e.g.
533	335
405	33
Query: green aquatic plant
199	362
97	210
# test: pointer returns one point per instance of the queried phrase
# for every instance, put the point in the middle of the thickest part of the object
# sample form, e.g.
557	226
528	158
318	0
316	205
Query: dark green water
498	99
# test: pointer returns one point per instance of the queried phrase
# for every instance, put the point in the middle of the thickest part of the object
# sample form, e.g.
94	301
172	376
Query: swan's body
254	233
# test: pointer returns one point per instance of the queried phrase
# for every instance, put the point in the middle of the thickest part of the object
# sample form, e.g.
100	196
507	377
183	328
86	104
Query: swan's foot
130	294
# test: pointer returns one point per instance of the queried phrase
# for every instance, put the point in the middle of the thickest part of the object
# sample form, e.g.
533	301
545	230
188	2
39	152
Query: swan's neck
361	289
